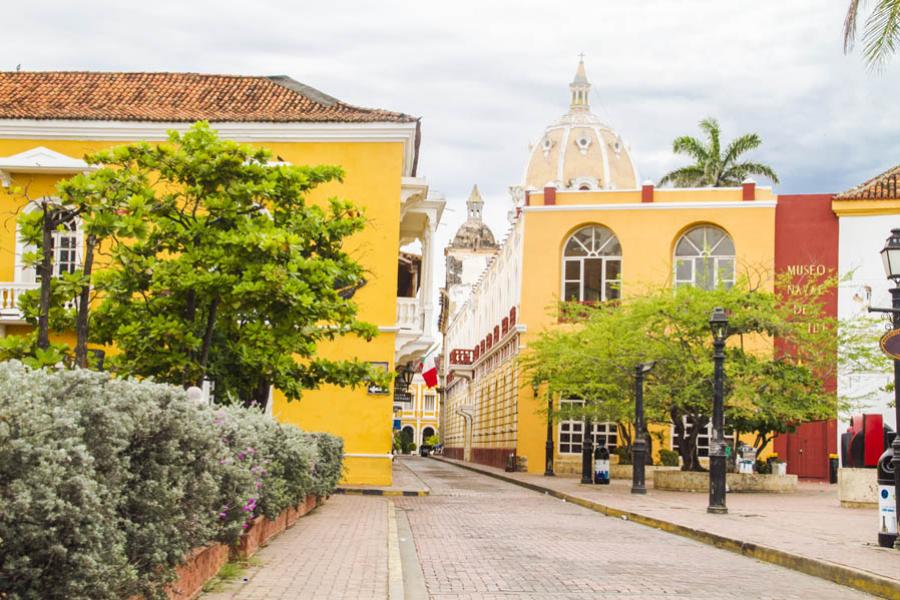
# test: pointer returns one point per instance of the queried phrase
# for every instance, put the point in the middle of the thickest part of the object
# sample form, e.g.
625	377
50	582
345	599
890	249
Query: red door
806	450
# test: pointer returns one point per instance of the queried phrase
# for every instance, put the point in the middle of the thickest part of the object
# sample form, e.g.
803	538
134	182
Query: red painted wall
806	243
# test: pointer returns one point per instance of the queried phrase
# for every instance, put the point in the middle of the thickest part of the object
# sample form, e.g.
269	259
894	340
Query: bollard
511	463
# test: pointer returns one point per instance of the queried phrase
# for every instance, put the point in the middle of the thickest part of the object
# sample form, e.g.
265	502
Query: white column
427	287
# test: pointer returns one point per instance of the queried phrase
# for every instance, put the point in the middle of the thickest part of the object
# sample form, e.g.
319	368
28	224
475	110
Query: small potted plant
776	465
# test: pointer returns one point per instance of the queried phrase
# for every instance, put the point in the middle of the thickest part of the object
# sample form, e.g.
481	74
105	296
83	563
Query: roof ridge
882	186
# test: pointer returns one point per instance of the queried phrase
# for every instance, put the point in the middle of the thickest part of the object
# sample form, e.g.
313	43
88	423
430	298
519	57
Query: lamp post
890	257
718	324
548	447
639	448
587	452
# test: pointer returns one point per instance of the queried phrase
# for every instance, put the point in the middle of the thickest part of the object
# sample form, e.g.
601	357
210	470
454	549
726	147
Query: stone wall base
692	481
858	488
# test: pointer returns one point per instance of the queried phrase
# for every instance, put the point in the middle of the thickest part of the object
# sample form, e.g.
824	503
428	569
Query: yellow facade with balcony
50	120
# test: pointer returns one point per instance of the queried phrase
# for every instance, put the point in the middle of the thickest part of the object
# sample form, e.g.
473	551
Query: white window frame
24	274
593	253
704	254
702	439
425	402
575	429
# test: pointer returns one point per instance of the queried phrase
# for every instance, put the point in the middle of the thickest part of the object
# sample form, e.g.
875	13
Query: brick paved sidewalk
483	539
809	522
337	552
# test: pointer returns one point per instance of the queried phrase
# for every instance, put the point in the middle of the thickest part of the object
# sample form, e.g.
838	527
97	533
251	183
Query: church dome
580	151
474	234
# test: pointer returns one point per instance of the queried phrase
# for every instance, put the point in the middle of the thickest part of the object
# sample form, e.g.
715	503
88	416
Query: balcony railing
9	298
462	357
10	293
409	315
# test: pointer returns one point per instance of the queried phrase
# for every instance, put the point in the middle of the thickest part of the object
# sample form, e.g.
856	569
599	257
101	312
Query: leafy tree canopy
767	390
213	263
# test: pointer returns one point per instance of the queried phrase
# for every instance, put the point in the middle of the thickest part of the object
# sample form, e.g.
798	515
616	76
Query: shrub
624	454
109	483
668	458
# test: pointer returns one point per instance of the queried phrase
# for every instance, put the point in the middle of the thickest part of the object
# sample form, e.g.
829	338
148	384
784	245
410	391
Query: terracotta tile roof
882	187
78	95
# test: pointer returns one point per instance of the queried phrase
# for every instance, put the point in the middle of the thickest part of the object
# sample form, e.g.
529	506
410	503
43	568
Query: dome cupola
474	234
580	151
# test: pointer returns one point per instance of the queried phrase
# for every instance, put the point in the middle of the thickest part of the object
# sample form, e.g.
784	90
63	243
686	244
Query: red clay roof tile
79	95
881	187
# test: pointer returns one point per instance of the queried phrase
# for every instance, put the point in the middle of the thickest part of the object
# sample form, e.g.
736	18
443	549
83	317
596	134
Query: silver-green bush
106	484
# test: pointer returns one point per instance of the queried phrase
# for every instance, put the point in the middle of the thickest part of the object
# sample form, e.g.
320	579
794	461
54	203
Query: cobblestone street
481	538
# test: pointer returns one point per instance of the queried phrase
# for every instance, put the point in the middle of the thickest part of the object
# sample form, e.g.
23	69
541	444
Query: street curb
396	589
367	492
859	580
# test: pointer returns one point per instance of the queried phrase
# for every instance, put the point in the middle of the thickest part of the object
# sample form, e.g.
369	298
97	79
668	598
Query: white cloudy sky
486	77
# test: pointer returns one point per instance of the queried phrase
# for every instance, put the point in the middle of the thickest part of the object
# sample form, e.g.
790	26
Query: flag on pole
429	370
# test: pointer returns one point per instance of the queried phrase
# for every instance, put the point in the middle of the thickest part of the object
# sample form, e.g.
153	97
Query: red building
806	246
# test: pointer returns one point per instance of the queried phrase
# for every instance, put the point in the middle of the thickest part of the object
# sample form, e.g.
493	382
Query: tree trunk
260	395
45	272
207	335
81	319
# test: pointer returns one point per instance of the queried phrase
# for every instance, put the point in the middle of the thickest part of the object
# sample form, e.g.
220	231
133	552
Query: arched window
704	257
592	265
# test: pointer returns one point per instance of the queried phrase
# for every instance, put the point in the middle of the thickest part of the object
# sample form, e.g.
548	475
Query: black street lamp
890	256
548	448
405	374
639	447
718	323
587	452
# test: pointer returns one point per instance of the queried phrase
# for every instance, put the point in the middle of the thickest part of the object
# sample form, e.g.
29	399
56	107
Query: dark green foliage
109	483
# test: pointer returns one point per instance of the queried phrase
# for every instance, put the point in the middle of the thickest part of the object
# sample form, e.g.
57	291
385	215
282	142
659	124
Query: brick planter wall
202	564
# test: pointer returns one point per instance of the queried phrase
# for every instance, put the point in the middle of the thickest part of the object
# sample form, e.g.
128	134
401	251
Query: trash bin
747	458
832	468
601	465
887	503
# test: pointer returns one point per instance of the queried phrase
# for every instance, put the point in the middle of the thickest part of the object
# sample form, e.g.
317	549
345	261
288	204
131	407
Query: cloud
487	77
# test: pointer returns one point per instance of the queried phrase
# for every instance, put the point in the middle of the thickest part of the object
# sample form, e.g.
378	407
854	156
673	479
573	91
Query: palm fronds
881	34
711	168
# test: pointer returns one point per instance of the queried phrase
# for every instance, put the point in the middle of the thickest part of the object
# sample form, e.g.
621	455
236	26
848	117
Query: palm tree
882	30
712	168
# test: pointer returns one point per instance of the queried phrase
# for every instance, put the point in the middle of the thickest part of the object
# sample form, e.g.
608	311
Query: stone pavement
479	538
808	523
337	552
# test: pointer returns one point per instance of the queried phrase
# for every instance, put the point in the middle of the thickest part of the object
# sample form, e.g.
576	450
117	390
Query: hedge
106	484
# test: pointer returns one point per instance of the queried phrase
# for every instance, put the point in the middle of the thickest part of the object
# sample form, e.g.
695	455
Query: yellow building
583	229
421	417
50	120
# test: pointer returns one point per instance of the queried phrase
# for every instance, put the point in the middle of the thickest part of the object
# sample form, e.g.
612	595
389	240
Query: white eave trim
651	206
131	131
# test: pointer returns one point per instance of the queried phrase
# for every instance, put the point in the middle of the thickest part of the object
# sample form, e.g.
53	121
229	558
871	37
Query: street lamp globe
718	323
890	256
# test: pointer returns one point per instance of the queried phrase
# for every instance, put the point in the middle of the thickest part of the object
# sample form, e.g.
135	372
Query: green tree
236	275
712	166
881	33
766	392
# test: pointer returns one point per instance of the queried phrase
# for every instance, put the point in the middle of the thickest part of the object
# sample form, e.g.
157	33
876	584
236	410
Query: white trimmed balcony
9	301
